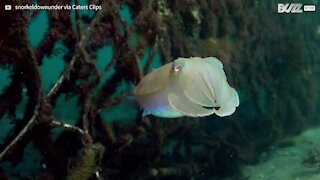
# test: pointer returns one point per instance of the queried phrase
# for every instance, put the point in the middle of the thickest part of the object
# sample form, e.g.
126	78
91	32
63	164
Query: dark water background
271	59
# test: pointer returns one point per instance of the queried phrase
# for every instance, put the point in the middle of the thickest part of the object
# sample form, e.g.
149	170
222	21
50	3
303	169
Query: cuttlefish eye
176	67
201	89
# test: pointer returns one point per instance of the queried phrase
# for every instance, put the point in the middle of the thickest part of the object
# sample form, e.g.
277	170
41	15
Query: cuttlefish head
193	87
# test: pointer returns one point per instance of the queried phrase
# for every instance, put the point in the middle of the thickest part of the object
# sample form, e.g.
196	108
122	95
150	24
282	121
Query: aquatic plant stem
151	56
67	126
54	89
26	128
33	119
67	72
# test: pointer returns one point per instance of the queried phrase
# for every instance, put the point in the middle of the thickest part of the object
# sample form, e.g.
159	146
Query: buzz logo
295	8
289	8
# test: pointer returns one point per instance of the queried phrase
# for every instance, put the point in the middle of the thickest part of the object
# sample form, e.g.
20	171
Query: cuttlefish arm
226	97
181	104
204	84
178	99
229	106
191	82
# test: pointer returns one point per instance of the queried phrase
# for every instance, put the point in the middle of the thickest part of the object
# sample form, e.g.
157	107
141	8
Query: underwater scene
160	89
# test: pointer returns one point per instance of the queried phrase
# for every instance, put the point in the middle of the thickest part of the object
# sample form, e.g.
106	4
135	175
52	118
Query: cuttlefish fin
181	104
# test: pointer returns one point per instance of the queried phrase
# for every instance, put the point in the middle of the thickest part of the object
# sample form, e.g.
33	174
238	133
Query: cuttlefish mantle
194	87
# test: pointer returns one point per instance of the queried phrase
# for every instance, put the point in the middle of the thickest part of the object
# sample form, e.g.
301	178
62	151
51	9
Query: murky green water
270	58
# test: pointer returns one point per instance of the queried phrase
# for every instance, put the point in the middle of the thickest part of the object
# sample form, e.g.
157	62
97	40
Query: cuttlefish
194	87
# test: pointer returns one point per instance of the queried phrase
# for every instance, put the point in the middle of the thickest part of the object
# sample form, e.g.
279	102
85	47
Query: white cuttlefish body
193	87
